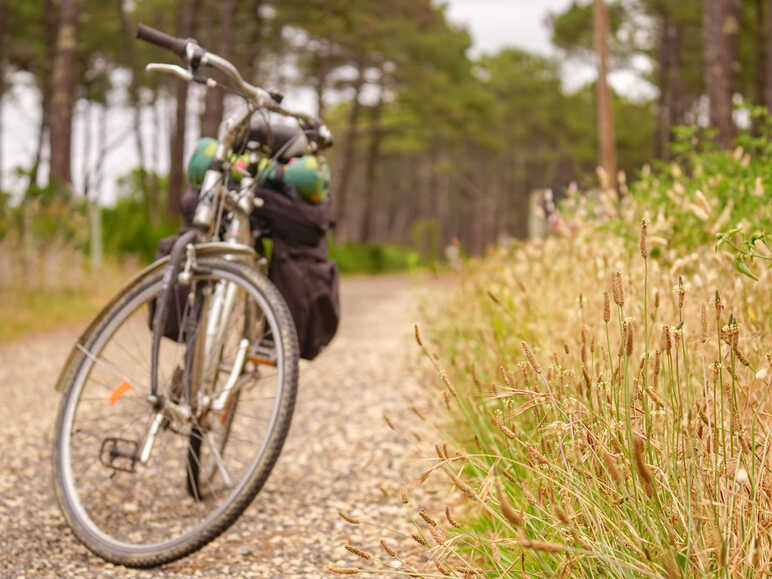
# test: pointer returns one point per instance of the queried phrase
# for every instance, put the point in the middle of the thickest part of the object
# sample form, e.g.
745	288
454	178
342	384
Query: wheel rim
150	510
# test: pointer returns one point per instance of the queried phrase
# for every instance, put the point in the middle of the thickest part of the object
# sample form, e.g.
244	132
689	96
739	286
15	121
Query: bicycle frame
221	219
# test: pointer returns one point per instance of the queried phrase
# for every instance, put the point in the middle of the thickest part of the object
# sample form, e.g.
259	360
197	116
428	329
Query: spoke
226	477
123	419
110	366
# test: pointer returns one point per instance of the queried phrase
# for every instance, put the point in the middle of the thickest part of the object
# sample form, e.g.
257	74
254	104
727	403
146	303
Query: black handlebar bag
300	267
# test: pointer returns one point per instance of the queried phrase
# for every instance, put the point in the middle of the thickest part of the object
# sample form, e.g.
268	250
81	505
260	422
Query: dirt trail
339	454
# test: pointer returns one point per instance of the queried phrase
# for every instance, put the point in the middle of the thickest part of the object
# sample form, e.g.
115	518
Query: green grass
372	258
26	311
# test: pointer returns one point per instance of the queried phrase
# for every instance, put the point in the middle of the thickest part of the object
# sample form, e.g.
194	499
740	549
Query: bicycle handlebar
153	36
195	55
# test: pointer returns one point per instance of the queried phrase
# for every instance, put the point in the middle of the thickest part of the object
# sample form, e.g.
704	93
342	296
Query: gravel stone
339	455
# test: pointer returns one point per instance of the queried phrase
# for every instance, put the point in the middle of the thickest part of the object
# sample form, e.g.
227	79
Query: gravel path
339	455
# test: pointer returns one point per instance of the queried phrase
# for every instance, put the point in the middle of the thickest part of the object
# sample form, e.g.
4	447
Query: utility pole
605	110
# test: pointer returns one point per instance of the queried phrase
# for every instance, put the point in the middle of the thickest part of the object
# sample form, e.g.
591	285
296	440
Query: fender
229	251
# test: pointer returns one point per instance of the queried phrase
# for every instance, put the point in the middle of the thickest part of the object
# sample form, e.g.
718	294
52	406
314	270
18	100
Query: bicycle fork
216	316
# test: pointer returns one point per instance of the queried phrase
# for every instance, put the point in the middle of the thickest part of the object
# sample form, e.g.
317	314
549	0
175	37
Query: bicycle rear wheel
140	503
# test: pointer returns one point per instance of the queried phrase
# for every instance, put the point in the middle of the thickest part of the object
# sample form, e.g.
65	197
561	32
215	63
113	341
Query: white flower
761	374
741	476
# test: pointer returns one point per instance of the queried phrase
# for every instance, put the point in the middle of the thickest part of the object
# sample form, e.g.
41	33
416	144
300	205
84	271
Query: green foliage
572	29
709	190
134	226
46	215
371	258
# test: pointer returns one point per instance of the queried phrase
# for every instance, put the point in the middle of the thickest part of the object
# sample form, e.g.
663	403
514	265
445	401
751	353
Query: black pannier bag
300	267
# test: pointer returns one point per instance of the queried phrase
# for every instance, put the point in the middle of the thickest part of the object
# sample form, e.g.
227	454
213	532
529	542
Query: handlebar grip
153	36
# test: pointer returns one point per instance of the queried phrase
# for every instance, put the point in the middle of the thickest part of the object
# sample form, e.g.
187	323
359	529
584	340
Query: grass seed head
460	484
741	358
348	518
358	552
508	510
437	534
418	335
644	233
611	466
641	466
425	516
665	343
530	357
617	289
419	539
606	308
629	337
499	419
389	549
450	518
388	421
561	515
343	570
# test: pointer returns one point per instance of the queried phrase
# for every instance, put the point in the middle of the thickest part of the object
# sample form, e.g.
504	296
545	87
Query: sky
493	25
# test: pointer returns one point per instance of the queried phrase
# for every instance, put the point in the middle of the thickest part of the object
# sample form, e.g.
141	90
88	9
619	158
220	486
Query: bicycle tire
86	530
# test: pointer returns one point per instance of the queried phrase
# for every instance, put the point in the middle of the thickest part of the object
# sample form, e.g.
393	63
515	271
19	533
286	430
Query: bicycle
164	437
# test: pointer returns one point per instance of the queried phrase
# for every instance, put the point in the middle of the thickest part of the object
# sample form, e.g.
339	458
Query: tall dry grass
43	286
602	413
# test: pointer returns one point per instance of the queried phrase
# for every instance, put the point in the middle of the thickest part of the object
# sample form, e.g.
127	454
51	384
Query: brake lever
182	73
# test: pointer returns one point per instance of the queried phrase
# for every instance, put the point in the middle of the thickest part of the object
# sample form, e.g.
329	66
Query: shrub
354	257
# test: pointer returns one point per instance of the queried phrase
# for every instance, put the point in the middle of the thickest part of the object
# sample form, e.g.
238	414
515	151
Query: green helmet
200	160
309	175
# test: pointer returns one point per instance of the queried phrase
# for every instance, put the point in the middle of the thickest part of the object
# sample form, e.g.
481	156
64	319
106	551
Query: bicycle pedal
119	454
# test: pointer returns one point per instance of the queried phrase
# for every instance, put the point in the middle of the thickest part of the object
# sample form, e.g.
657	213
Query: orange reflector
228	404
256	360
119	391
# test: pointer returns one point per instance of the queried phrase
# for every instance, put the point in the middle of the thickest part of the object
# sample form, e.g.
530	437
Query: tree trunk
86	168
670	106
762	34
255	42
349	154
720	29
154	202
63	95
768	68
96	241
186	28
131	62
371	170
215	101
46	62
322	66
3	18
605	112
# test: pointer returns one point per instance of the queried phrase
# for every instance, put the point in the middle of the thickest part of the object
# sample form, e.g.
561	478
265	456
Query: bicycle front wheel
145	481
